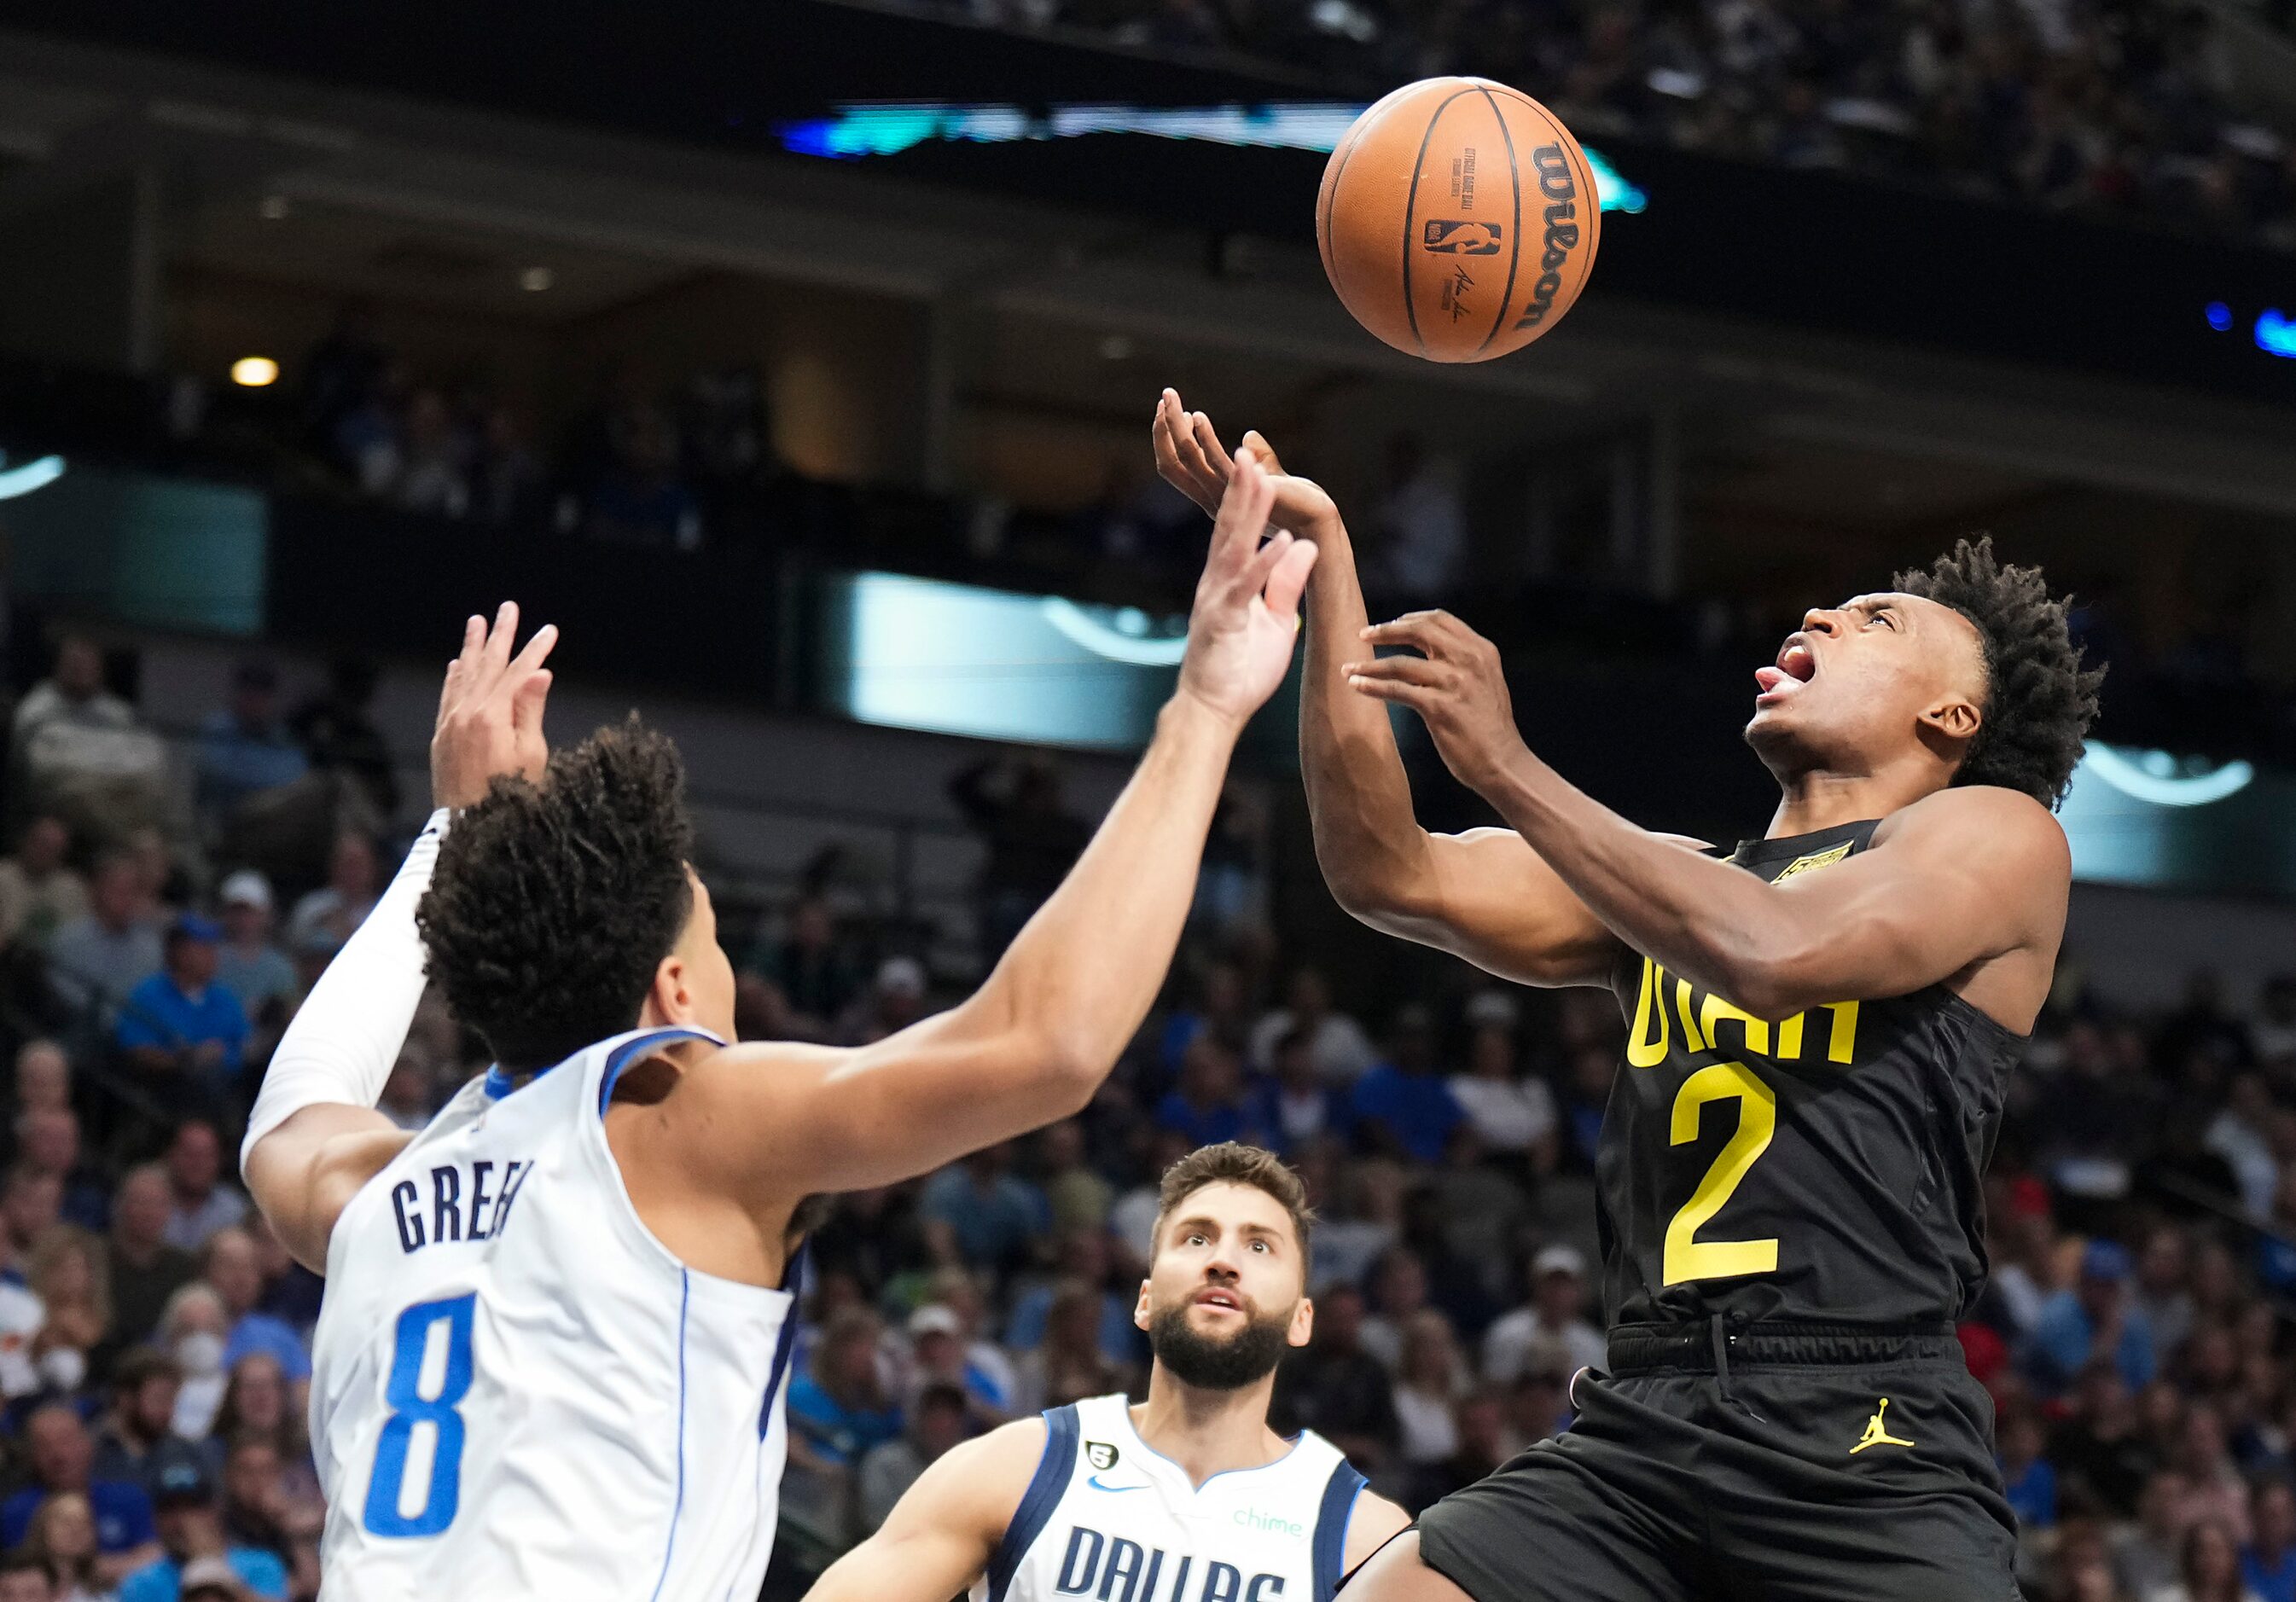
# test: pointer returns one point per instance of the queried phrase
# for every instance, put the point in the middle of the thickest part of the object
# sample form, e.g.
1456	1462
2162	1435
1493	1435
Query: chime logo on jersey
1113	1569
1100	1454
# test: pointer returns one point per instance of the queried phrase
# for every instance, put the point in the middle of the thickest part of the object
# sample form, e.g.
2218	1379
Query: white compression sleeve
342	1043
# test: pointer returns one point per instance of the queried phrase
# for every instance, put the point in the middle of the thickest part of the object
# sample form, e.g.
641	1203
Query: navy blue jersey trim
1046	1488
1331	1550
629	1050
785	1344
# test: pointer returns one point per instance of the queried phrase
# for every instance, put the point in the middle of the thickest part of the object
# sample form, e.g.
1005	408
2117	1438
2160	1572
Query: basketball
1458	219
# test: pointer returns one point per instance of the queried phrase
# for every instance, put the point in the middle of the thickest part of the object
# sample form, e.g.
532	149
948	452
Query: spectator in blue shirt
184	1032
994	1217
2095	1317
245	748
2027	1480
1207	1105
1403	1103
63	1456
234	1268
839	1409
2268	1564
198	1556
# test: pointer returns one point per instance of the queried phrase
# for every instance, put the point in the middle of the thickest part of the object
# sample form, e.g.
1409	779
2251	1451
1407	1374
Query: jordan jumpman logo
1877	1434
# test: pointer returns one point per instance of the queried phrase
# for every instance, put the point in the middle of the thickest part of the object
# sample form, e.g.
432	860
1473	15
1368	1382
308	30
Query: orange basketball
1458	219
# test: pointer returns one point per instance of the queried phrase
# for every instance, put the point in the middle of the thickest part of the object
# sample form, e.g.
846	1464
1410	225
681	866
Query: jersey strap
1050	1483
635	1047
1331	1548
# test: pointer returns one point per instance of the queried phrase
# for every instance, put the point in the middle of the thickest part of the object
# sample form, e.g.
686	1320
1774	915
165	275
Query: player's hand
1455	685
1246	617
490	711
1191	459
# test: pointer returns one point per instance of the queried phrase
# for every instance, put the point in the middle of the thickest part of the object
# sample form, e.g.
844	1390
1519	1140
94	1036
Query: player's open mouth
1796	665
1219	1298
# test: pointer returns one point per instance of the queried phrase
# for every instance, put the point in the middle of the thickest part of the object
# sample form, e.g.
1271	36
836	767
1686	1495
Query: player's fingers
1193	460
1289	578
1243	514
532	694
1416	629
504	631
1402	670
536	650
1258	441
1165	436
1413	696
1261	567
1208	441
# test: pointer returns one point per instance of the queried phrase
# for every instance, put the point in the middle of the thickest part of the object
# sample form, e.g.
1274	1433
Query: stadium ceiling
359	194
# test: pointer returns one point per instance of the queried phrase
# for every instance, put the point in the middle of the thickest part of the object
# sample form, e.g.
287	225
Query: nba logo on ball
1450	168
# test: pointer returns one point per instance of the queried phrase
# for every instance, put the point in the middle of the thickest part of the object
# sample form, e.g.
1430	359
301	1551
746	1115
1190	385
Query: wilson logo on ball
1560	185
1446	237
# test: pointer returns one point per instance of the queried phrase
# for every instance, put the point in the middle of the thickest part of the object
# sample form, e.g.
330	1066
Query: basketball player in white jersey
1189	1496
558	1318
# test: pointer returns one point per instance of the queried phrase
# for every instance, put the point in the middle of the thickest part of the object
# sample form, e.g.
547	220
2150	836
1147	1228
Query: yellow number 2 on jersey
1687	1257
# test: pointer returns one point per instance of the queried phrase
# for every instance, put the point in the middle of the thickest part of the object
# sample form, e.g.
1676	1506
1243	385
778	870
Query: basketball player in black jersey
1819	1028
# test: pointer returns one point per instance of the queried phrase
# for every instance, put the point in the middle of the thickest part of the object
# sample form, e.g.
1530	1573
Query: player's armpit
784	1121
1374	1522
1957	879
305	1171
942	1533
1486	897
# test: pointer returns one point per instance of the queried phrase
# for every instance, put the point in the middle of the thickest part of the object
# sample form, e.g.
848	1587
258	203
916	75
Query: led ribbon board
857	129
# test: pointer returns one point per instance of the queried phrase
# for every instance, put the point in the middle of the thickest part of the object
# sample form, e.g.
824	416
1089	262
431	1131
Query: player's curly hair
2040	701
553	904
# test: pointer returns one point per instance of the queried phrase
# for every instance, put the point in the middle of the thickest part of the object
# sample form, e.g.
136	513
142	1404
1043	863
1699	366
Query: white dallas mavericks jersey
1106	1517
518	1391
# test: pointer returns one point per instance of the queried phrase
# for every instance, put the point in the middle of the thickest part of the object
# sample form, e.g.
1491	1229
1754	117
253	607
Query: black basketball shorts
1800	1464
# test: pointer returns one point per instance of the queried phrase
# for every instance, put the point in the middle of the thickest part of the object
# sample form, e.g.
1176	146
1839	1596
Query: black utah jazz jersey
1826	1167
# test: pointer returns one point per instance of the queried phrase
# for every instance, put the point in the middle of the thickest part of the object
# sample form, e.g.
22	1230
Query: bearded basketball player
1820	1026
1188	1496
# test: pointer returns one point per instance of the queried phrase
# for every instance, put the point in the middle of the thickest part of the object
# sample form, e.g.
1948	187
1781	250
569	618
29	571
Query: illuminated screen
2160	821
884	129
918	653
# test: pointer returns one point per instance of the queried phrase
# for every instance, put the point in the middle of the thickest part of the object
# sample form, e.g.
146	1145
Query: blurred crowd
2116	107
157	934
631	466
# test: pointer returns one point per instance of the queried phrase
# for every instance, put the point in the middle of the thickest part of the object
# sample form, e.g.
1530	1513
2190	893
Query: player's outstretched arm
939	1537
781	1123
1483	896
313	1136
1956	879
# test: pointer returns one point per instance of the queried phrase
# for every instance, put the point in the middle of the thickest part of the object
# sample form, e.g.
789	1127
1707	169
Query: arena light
35	474
2275	334
2164	778
858	129
254	373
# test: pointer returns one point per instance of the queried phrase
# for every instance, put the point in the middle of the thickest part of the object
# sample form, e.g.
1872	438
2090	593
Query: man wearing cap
2095	1318
182	1029
255	971
199	1558
244	748
1552	1325
937	1346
